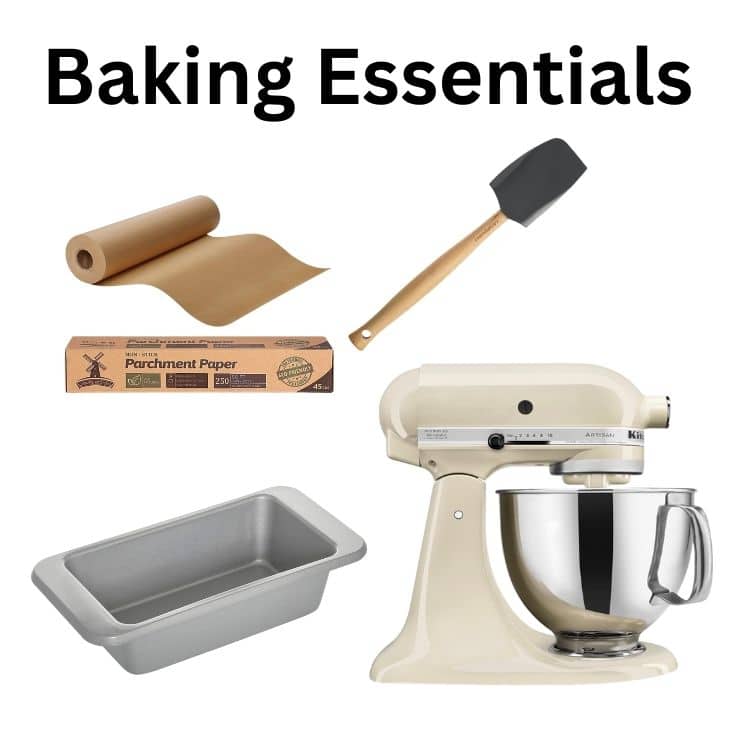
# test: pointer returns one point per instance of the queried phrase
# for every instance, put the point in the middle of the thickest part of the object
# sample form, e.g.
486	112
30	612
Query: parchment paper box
180	364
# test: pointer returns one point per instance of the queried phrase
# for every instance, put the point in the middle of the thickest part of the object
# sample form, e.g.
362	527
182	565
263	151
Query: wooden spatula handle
424	282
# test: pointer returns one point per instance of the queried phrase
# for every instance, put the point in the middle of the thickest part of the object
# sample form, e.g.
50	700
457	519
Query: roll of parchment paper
216	279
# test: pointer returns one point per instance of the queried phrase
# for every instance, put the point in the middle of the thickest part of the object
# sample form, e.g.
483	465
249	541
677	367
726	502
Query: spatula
525	189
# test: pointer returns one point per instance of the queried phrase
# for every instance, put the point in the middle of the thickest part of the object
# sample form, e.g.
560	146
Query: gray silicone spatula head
533	182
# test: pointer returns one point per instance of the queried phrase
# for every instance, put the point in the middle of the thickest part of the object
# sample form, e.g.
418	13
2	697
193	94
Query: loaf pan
177	589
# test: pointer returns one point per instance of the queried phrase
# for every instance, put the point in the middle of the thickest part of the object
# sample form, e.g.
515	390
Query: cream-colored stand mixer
595	561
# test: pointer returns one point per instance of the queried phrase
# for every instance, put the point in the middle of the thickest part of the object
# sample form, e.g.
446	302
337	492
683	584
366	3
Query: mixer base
461	630
533	662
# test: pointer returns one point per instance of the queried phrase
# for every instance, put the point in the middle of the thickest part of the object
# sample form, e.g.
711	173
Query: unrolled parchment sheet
216	279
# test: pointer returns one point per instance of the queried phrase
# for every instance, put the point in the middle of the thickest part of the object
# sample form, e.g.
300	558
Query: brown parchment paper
216	279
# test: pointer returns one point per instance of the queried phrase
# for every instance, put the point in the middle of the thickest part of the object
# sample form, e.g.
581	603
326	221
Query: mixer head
580	420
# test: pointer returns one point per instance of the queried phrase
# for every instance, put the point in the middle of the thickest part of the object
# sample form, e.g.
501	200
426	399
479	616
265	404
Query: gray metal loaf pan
177	589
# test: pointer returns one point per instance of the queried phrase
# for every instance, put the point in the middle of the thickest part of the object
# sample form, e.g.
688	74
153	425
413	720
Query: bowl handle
702	542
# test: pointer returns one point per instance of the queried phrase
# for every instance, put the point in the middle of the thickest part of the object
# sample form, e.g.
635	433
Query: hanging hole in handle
366	334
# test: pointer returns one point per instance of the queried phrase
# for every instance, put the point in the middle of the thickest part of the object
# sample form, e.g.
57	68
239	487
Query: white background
632	270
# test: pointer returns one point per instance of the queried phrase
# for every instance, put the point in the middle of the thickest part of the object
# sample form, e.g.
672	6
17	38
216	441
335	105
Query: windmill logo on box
95	378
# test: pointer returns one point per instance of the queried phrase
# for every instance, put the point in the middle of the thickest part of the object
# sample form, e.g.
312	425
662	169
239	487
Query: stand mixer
595	561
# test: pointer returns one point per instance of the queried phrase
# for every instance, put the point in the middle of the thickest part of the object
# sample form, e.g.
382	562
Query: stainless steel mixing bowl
597	567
